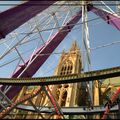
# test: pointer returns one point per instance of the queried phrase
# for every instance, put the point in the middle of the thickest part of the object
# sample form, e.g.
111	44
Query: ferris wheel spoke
14	59
107	7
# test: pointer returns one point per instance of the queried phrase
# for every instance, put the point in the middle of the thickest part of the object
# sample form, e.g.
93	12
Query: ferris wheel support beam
19	55
86	47
14	17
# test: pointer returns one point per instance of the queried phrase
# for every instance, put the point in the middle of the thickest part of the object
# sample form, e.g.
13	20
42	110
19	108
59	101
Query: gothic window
66	68
62	68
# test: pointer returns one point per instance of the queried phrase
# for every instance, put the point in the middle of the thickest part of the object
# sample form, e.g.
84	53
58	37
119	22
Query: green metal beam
73	78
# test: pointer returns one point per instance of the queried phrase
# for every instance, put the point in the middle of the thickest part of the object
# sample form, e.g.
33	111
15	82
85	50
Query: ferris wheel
33	35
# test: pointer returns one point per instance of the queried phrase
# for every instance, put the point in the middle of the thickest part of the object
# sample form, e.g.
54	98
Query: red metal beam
112	99
14	17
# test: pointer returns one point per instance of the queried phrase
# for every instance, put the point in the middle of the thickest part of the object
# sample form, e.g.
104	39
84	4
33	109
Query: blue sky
100	34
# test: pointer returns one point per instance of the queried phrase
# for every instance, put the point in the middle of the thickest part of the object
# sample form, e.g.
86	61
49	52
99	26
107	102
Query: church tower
70	63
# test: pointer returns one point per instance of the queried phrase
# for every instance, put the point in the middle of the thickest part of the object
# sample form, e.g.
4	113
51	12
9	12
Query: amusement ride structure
33	30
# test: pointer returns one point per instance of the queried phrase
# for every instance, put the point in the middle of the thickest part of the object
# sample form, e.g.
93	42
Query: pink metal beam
110	18
14	17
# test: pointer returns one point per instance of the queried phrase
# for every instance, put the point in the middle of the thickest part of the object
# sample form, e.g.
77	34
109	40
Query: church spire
74	47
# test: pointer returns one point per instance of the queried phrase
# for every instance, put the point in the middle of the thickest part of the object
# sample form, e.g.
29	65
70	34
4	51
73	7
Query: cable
95	48
107	45
6	63
62	26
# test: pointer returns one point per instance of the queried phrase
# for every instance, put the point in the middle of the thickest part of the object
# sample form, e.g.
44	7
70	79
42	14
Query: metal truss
82	110
9	107
4	101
